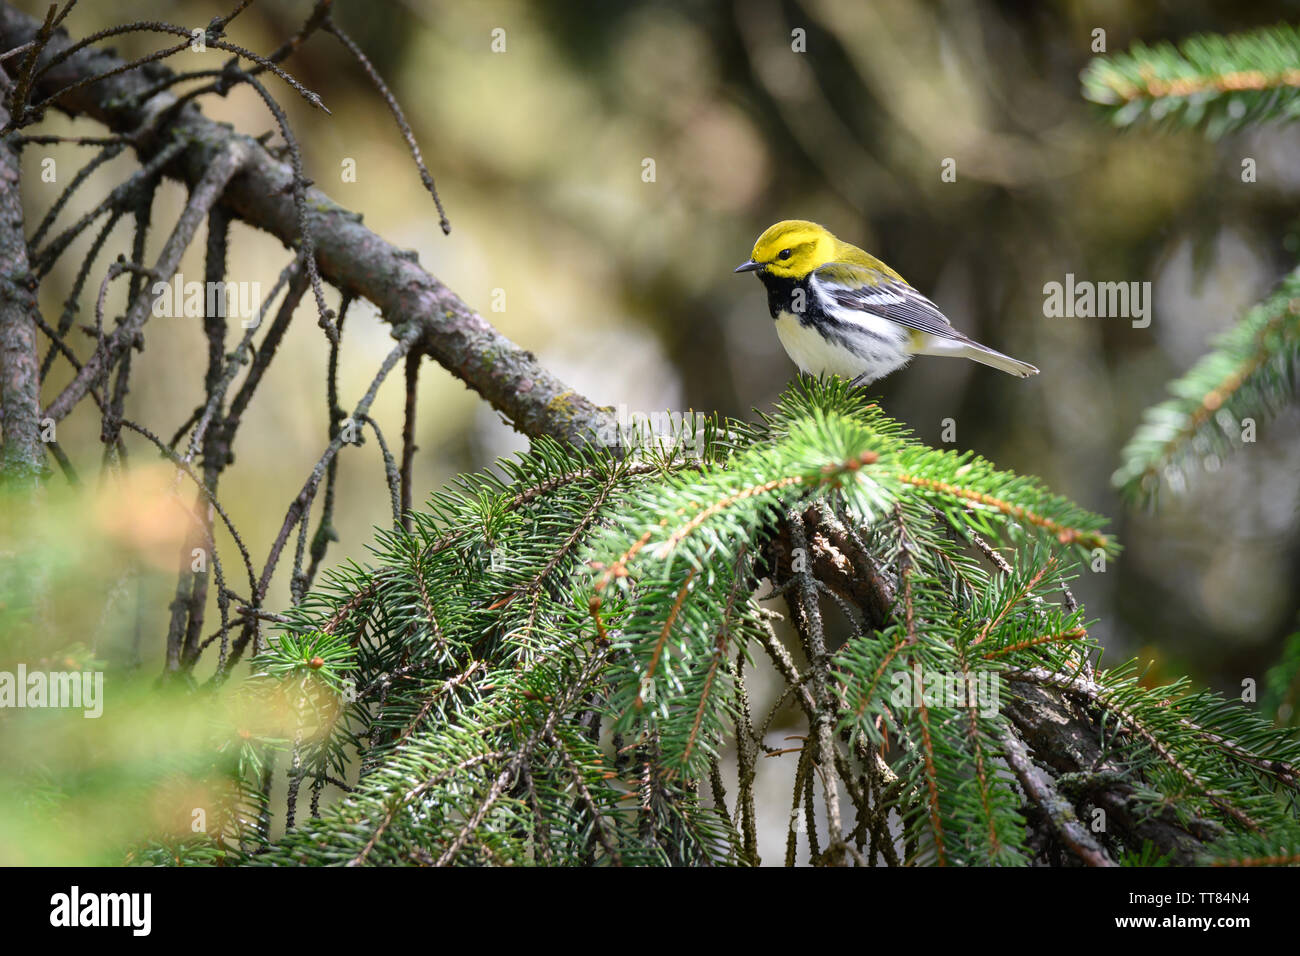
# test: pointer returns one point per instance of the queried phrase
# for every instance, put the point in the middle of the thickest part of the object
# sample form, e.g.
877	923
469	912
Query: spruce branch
1249	374
631	597
1219	83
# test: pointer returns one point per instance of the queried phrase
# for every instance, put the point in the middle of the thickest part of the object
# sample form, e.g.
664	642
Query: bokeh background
623	287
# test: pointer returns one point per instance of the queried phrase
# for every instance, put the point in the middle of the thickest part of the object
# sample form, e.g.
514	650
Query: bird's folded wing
847	287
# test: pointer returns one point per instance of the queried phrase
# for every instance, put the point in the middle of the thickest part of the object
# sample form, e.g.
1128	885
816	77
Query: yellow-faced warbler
841	311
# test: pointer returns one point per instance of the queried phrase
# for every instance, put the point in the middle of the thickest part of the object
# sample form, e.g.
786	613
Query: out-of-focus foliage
1222	82
1220	402
1219	83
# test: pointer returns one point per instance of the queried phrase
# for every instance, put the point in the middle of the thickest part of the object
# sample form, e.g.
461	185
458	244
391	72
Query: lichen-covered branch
22	458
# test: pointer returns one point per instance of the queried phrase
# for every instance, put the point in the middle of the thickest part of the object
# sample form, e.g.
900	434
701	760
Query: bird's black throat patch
791	295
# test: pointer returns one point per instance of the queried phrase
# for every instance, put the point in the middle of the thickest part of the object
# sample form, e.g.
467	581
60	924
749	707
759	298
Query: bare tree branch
350	256
204	195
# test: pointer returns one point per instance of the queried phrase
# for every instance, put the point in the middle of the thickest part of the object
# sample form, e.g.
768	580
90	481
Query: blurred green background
624	288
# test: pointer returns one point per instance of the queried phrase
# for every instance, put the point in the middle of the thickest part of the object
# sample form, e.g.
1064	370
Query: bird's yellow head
791	249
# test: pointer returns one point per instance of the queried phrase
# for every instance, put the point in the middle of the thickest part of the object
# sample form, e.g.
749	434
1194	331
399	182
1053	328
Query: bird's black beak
748	266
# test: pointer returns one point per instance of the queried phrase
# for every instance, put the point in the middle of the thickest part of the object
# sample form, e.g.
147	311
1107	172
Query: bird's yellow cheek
785	270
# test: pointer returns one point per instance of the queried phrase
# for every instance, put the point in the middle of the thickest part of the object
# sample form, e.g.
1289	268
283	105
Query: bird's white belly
817	355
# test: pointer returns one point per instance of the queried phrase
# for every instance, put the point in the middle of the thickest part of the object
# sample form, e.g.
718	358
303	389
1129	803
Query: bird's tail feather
979	353
999	361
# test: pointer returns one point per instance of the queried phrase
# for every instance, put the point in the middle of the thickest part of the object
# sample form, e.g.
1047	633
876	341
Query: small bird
841	311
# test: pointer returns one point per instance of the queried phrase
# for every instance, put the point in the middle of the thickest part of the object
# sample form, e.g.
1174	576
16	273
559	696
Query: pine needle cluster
550	667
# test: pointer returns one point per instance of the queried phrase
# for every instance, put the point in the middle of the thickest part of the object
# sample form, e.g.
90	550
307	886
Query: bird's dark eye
785	254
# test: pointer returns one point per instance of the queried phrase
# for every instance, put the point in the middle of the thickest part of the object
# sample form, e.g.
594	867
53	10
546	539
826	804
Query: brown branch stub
1039	787
1068	743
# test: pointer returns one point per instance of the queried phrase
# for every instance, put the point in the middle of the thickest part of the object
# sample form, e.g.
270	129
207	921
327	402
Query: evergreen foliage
1217	84
1247	376
547	668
